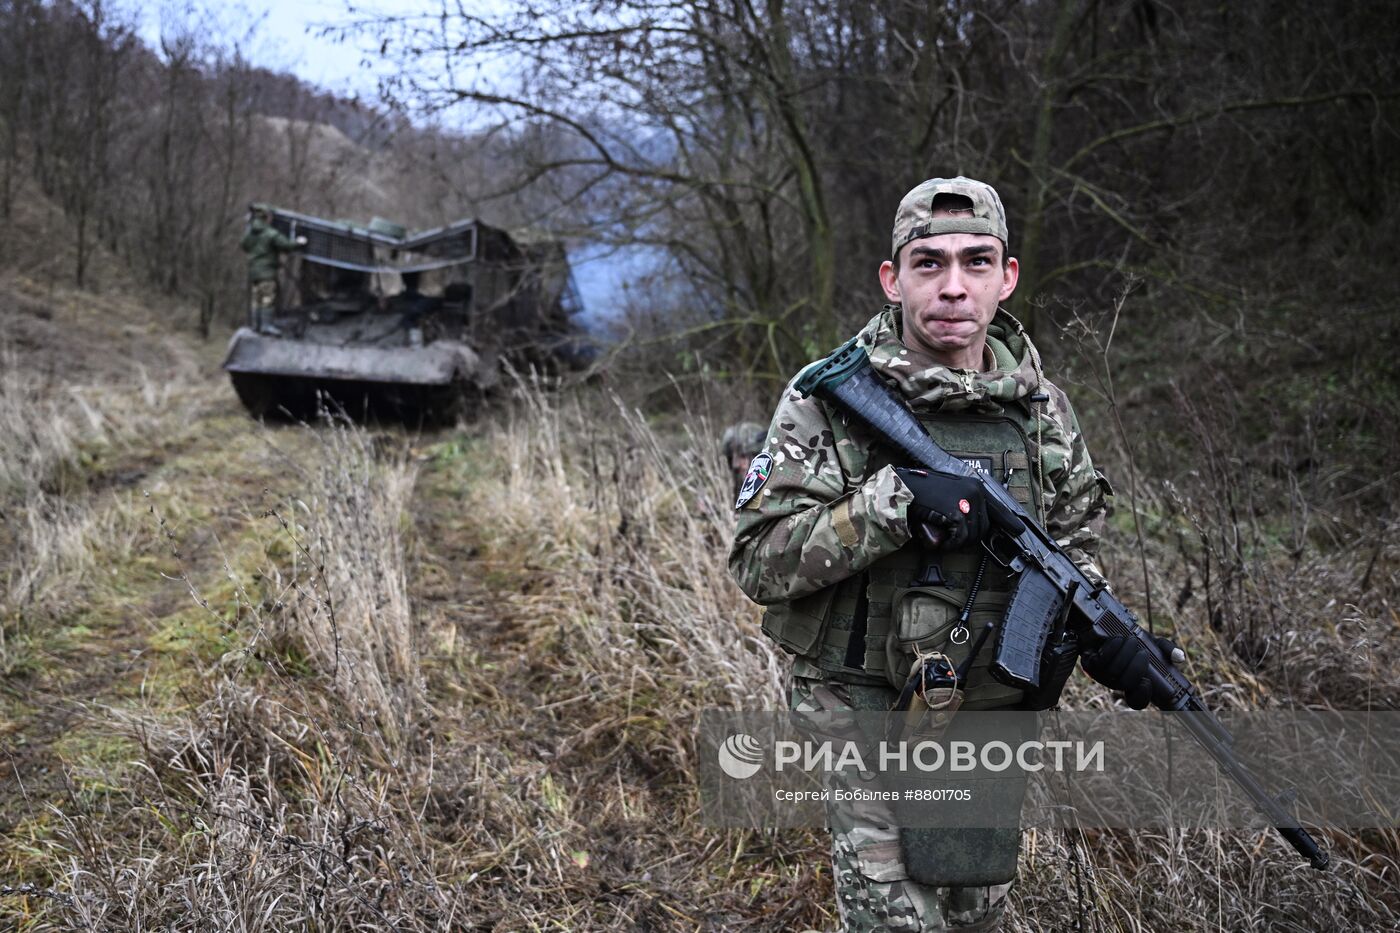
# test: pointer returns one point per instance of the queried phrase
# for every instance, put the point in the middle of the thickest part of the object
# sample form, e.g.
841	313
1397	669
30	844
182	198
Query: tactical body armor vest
868	628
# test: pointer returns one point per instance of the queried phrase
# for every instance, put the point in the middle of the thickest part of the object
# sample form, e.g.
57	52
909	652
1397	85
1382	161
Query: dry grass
460	694
343	599
38	458
636	531
276	797
549	785
55	436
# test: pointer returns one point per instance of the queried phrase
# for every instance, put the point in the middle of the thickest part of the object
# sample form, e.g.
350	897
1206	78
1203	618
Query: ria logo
740	756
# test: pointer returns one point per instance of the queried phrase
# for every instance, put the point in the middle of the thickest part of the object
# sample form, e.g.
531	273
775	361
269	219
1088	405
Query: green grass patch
99	759
195	634
461	451
20	657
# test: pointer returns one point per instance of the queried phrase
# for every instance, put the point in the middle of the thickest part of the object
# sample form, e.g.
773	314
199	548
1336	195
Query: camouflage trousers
263	296
873	888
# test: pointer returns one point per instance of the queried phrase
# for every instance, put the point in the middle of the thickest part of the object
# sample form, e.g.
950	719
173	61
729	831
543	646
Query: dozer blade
437	363
275	376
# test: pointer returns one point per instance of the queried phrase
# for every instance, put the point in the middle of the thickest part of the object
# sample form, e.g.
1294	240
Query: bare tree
667	124
761	145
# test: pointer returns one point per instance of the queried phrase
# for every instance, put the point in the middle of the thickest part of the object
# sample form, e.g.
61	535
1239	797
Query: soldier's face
950	286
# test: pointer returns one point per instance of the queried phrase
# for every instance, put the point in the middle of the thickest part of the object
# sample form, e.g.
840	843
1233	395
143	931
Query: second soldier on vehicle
264	245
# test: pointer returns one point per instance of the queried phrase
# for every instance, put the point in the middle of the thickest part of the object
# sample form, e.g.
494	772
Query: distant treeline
1222	154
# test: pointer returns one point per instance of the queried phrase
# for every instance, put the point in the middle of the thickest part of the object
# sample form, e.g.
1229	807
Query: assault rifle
1056	612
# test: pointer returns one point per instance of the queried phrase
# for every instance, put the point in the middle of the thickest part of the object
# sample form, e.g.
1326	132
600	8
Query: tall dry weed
40	433
345	587
1262	518
634	530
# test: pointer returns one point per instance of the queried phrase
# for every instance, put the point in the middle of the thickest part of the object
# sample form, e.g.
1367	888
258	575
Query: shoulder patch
1104	485
753	481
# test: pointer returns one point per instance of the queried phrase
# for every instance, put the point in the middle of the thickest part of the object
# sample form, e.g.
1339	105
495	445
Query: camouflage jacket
819	517
262	243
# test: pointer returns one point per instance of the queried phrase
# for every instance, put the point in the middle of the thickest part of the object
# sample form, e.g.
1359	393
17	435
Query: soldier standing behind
864	564
739	445
264	243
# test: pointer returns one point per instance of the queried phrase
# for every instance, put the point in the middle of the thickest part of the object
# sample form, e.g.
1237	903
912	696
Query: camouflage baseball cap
915	219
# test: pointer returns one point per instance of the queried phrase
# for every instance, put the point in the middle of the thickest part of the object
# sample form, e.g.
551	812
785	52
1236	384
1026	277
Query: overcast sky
286	37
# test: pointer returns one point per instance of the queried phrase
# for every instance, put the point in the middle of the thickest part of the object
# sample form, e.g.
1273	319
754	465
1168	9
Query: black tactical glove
948	511
1120	663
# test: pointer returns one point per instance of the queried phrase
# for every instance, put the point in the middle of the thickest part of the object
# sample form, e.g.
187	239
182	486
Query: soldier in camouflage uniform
827	524
264	244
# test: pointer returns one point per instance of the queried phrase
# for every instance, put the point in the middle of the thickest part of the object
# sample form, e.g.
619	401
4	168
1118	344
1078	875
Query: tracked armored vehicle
383	323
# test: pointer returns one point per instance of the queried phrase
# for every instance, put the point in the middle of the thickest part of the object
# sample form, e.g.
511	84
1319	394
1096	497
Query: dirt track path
173	489
541	802
171	509
164	510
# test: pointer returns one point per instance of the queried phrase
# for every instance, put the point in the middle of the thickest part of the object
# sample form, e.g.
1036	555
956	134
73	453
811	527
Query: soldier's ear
1010	273
889	281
